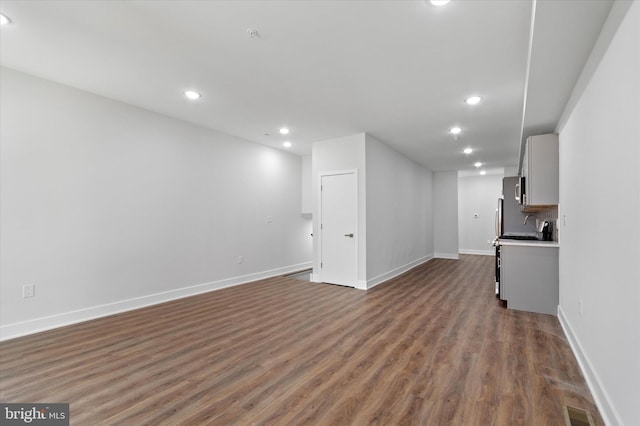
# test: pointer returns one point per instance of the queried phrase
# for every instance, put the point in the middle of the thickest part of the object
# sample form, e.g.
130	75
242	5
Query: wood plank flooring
431	347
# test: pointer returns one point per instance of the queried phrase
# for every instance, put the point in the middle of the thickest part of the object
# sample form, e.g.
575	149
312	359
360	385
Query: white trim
395	272
318	275
360	284
532	24
446	256
600	395
36	325
478	252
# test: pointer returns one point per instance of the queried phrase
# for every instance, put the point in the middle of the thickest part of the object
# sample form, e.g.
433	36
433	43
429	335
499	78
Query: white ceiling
398	70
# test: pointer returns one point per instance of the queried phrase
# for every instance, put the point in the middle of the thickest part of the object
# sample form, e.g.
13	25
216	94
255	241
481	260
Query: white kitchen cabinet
529	276
540	168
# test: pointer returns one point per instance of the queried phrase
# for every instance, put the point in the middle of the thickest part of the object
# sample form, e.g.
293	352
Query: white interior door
339	220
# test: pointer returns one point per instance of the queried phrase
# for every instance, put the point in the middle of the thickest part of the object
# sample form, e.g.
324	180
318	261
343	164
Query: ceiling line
526	83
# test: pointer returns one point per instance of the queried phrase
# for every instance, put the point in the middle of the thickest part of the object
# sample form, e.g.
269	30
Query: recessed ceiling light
439	2
284	131
483	172
286	144
455	130
473	100
467	151
478	164
193	95
4	19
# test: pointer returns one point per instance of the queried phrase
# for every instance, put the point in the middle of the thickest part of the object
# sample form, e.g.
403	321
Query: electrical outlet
240	259
28	290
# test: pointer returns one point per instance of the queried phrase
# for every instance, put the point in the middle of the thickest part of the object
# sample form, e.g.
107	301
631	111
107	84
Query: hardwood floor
431	347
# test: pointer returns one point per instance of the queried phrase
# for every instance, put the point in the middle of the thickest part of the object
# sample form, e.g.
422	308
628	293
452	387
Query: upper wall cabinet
540	166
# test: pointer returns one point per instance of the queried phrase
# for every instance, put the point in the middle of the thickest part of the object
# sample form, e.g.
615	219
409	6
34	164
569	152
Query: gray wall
599	217
306	182
107	207
445	214
399	212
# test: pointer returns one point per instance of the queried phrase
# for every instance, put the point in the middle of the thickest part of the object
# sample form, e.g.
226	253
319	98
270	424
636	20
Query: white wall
395	197
445	214
399	197
600	199
477	194
345	153
510	171
306	183
108	207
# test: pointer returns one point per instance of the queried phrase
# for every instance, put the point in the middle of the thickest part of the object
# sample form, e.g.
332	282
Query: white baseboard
395	272
361	285
36	325
478	252
600	395
447	256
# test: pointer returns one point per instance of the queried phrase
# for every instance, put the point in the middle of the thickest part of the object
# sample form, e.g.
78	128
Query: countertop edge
529	243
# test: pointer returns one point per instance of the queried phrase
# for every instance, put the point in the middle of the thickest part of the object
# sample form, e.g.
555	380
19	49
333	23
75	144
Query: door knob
348	235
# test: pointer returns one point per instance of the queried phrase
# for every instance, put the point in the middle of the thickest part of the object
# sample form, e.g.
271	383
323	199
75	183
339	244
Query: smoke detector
253	33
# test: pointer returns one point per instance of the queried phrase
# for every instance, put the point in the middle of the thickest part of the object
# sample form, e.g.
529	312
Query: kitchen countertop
529	243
